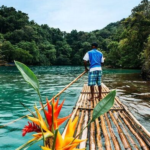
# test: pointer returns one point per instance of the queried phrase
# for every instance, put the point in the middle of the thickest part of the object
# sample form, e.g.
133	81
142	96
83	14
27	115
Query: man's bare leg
100	92
92	93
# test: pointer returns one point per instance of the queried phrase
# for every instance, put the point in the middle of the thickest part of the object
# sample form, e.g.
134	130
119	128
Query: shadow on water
131	89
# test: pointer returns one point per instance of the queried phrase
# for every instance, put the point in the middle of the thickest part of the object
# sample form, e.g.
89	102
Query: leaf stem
55	136
42	106
52	118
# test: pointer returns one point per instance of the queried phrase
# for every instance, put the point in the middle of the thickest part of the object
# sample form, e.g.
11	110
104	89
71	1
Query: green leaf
28	75
104	105
28	109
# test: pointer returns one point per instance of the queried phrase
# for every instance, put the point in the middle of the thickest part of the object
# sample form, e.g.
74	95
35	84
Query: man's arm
102	61
85	65
86	59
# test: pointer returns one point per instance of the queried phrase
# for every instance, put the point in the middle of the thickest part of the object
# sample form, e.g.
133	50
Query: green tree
114	55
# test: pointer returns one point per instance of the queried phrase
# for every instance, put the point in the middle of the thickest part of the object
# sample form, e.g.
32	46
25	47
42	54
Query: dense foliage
125	43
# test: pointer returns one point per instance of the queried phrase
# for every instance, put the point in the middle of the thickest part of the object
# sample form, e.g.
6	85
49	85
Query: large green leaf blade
28	75
104	105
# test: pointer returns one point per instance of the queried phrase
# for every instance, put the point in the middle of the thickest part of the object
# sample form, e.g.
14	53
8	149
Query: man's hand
86	69
85	65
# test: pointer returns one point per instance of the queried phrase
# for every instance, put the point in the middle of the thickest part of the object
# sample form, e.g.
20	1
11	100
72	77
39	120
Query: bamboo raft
117	129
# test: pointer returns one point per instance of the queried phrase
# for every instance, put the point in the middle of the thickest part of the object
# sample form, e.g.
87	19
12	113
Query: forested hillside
125	44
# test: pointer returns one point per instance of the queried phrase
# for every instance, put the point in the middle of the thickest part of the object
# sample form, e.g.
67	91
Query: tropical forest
125	44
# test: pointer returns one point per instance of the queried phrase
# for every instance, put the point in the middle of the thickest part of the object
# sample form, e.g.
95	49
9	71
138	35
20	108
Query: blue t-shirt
95	58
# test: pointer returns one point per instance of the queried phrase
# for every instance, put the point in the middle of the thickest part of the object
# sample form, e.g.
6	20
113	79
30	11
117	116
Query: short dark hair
94	44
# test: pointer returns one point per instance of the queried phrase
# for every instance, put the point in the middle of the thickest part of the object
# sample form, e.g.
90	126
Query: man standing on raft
95	59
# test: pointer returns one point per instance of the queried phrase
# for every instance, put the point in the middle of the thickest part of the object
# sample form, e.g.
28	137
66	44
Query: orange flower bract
68	142
57	109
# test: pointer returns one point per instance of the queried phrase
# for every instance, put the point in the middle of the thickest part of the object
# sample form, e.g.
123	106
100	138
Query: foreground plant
47	128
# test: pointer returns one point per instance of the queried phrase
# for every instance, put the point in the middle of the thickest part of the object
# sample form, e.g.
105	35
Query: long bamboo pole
92	130
2	126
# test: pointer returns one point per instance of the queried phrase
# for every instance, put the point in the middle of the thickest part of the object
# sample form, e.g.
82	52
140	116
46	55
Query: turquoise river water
131	89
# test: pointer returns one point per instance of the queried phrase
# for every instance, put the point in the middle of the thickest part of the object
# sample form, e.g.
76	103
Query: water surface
131	89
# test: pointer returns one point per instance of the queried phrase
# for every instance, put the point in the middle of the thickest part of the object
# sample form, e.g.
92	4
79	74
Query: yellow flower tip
35	120
45	148
77	141
71	127
79	149
59	141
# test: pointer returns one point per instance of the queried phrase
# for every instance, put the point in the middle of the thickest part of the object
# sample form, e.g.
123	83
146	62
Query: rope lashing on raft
58	94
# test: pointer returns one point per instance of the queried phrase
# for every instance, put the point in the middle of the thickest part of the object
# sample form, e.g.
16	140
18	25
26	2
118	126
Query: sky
67	15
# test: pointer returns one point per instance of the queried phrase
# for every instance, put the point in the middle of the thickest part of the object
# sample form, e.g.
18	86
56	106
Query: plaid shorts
94	78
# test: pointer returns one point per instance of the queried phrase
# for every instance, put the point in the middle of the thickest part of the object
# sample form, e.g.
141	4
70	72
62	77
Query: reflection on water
131	89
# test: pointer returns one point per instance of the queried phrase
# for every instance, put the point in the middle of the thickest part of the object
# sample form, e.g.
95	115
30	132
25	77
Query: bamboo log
85	122
134	119
130	114
129	137
84	134
140	140
85	108
136	122
121	134
92	131
103	125
98	133
144	137
114	138
81	117
95	92
2	126
115	104
107	140
104	130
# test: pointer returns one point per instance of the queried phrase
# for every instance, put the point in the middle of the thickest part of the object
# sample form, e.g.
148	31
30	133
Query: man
95	59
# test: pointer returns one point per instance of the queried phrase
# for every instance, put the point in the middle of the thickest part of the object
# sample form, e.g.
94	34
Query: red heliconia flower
32	127
57	121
